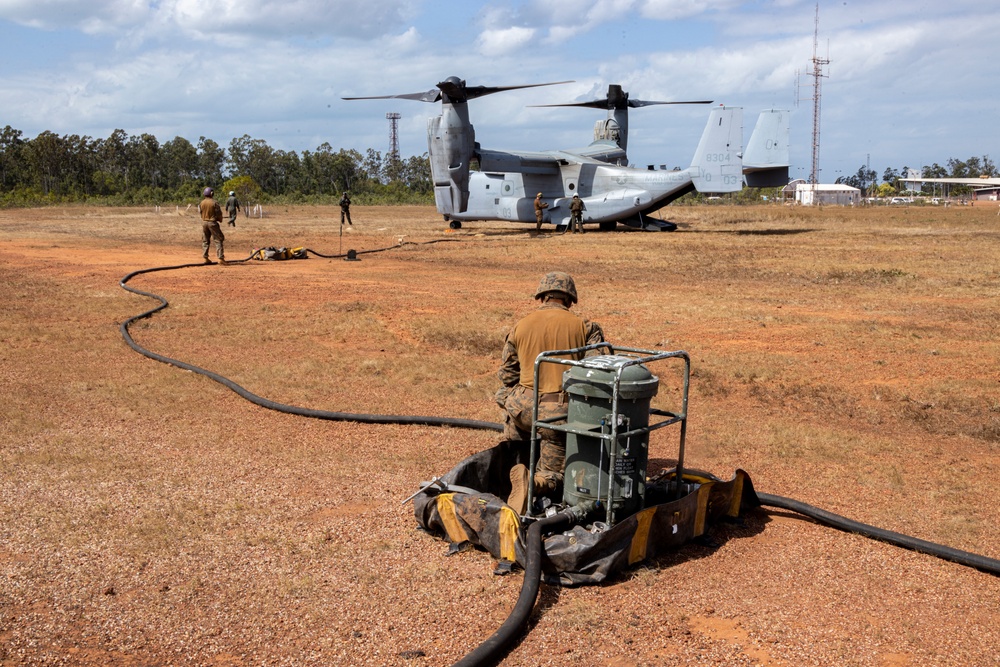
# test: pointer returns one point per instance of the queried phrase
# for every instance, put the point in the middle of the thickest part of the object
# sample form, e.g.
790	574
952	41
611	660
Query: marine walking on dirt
551	327
211	218
232	208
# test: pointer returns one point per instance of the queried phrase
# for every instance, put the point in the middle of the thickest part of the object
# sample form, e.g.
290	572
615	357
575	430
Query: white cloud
306	18
571	19
671	10
92	17
213	19
504	41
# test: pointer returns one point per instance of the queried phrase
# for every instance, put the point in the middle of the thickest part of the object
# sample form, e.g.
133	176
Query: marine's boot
518	499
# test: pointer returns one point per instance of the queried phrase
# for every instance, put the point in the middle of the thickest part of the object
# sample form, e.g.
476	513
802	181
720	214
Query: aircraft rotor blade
455	90
472	92
605	104
645	103
597	104
429	96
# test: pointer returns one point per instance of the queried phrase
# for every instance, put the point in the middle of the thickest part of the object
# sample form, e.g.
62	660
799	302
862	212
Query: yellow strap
641	536
510	526
446	508
734	502
702	511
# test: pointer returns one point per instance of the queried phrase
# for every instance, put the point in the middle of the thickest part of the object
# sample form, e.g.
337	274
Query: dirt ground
151	516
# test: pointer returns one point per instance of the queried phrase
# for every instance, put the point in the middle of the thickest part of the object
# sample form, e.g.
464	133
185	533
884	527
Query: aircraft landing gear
608	226
455	224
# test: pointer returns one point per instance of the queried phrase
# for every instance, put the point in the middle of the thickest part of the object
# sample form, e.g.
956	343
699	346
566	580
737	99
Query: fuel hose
495	647
983	563
267	403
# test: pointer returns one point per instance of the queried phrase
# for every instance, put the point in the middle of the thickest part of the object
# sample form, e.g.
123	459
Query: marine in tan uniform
551	327
576	214
540	207
211	218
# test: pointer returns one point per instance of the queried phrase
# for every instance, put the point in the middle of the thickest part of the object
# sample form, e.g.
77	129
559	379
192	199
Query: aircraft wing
546	162
600	151
527	162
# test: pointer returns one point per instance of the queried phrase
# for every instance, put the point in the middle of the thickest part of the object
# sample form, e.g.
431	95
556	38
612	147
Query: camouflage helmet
557	281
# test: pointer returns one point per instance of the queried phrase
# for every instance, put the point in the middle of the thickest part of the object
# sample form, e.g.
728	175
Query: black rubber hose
493	649
983	563
267	403
374	250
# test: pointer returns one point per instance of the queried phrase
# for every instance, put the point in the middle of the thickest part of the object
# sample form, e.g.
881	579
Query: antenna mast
817	74
393	135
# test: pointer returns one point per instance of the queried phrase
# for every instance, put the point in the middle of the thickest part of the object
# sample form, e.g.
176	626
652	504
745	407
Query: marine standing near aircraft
611	193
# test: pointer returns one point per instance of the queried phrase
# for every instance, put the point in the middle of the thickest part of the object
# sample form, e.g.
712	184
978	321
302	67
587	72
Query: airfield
846	358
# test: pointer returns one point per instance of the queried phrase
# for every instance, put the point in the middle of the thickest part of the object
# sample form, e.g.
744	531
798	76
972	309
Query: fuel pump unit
607	426
606	469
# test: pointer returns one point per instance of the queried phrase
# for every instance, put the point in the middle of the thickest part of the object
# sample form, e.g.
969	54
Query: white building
809	194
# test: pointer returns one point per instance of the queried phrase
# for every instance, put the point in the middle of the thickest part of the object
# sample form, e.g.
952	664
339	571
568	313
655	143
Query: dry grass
846	358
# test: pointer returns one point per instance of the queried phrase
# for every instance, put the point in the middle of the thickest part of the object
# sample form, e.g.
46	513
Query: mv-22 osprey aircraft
505	185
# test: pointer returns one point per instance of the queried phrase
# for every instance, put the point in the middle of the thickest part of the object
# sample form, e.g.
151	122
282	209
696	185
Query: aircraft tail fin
765	161
717	165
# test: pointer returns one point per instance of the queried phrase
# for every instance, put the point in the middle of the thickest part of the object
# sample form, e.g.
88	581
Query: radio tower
394	134
817	74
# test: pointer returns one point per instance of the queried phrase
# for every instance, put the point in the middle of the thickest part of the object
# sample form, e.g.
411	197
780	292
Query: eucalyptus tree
179	159
211	159
11	158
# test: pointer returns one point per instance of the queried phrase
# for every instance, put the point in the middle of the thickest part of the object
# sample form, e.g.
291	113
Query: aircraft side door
510	193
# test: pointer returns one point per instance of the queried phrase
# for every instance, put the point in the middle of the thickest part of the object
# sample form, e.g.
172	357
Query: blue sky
908	83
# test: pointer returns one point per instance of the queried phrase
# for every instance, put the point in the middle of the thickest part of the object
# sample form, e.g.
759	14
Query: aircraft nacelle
607	130
451	143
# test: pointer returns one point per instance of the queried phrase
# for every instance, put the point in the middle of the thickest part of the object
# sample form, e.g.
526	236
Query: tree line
866	178
139	170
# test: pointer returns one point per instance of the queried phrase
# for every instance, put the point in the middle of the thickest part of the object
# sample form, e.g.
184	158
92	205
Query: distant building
983	188
821	194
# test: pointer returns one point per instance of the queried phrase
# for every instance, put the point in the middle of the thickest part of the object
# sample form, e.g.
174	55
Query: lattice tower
817	74
393	134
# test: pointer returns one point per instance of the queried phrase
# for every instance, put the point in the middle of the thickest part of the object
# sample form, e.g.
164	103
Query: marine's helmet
207	192
538	195
557	281
232	194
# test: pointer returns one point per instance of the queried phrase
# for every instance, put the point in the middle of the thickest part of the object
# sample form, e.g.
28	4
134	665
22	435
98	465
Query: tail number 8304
717	157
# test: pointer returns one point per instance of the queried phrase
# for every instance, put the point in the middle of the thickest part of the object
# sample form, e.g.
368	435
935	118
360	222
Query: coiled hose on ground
267	403
493	649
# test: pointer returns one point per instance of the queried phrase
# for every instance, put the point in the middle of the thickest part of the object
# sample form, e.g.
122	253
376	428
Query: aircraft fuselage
609	192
